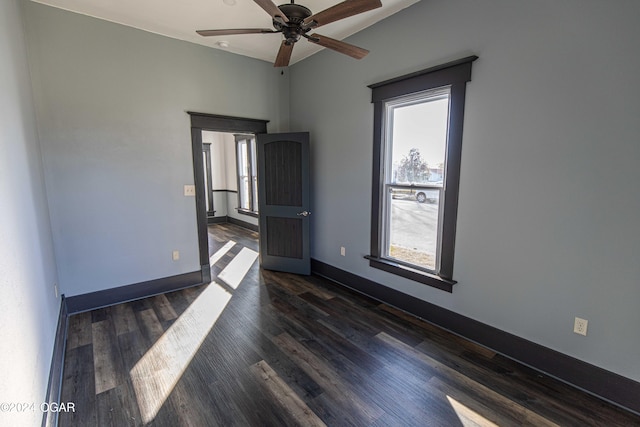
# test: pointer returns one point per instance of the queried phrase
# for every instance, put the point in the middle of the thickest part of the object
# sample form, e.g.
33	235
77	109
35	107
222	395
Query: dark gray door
283	201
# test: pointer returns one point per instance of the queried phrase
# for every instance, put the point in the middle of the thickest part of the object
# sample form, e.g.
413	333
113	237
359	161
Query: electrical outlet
189	190
343	251
580	326
176	255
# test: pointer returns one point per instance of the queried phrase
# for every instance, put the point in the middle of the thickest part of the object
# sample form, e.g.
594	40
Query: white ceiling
180	19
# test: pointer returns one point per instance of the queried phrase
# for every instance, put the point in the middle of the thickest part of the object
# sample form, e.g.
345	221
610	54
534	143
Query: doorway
215	123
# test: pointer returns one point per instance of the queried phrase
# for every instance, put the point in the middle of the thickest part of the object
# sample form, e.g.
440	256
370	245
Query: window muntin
414	161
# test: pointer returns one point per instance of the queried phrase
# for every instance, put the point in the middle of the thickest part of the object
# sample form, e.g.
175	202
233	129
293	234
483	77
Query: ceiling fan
295	21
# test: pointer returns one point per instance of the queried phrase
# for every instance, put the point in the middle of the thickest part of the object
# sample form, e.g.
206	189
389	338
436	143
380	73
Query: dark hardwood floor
274	349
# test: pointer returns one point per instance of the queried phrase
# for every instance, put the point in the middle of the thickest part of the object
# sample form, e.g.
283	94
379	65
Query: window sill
411	273
248	213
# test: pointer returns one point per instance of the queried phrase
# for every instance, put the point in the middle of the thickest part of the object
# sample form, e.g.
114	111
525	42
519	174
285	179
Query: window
247	174
208	187
417	141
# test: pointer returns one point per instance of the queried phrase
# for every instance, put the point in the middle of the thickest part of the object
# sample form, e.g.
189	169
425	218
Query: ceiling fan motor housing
296	14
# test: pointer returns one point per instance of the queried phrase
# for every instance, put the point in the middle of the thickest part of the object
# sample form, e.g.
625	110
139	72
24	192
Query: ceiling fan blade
340	11
284	54
271	8
207	33
339	46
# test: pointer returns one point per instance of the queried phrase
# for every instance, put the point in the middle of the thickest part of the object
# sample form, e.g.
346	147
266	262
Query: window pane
206	181
243	178
414	175
413	228
244	192
254	175
419	141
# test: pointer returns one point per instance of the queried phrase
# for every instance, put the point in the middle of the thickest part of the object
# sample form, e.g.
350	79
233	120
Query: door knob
304	213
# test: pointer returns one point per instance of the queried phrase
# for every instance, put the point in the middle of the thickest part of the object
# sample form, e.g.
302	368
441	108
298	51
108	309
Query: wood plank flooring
275	349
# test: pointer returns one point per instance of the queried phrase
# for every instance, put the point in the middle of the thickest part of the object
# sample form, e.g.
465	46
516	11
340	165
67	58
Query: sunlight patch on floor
159	370
235	271
220	253
469	417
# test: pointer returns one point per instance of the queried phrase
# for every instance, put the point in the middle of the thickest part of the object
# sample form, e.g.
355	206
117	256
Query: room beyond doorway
230	178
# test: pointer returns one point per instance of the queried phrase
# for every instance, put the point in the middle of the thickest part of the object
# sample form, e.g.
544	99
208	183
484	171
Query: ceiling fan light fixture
295	21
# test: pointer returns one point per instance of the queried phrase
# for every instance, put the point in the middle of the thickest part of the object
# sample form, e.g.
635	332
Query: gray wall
548	213
111	104
28	306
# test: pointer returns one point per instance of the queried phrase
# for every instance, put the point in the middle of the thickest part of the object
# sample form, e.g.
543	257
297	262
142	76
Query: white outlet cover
580	326
190	190
176	255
